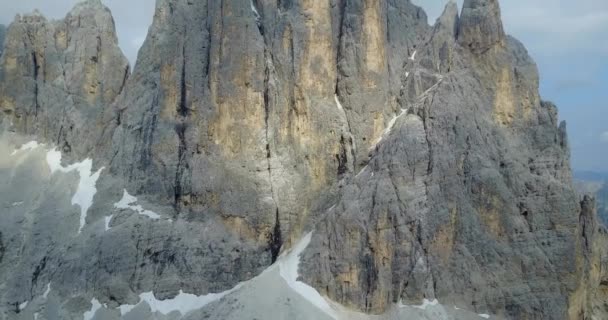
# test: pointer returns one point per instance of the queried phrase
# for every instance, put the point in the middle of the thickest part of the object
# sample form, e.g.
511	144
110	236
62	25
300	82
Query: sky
567	39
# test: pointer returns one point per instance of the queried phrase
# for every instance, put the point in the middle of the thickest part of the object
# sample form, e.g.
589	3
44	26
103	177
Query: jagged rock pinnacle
480	26
448	21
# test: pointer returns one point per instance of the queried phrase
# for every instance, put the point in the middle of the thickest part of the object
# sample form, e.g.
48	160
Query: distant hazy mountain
594	183
590	175
602	203
2	32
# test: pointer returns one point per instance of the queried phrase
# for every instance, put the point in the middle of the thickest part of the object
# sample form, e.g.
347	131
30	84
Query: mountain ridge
422	157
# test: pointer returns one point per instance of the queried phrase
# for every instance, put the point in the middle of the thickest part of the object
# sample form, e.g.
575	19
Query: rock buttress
469	199
57	77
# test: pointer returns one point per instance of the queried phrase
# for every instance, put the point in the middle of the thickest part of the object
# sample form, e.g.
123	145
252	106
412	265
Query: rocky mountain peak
57	75
448	20
480	25
35	17
445	29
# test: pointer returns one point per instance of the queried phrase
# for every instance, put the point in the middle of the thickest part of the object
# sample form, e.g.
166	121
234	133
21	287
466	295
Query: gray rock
422	157
255	115
469	199
57	77
480	26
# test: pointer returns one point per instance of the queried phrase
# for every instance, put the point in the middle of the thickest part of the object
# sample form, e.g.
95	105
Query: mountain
596	184
290	159
590	175
2	34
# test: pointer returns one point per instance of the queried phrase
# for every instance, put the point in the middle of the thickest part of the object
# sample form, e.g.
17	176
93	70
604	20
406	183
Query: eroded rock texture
250	111
57	77
422	157
470	198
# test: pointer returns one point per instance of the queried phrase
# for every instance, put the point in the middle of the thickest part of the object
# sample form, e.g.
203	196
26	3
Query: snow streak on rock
26	147
426	303
86	186
107	221
48	290
183	302
128	202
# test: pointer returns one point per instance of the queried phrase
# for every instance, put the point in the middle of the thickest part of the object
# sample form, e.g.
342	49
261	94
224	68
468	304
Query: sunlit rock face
343	158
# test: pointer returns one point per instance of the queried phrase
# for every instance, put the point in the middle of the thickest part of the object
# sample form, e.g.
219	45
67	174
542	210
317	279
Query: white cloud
604	137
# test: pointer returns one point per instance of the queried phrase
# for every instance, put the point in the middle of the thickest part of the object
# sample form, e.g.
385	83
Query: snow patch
35	315
16	204
91	313
338	102
86	186
23	305
362	170
254	10
288	269
128	202
391	124
183	302
485	316
48	290
413	56
427	303
107	222
26	147
389	127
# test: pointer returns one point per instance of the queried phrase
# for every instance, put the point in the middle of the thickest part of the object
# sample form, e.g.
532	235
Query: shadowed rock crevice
181	127
36	68
276	240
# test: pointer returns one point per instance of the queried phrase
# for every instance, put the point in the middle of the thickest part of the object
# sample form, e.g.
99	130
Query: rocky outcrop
589	299
480	26
254	115
469	200
57	77
422	158
239	115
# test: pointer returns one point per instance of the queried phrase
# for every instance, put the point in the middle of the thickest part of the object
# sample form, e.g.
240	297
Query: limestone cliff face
255	112
469	199
480	26
589	299
423	159
56	77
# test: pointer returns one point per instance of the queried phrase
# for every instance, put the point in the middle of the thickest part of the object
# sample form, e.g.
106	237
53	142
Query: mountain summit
287	160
